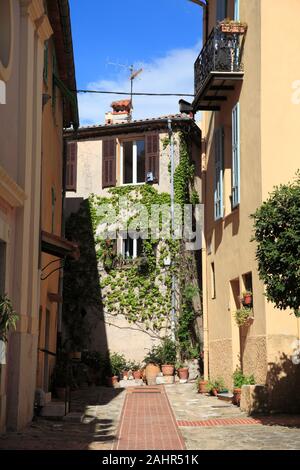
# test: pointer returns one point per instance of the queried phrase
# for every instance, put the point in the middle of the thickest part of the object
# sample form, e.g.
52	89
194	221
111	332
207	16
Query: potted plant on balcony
232	27
239	379
243	316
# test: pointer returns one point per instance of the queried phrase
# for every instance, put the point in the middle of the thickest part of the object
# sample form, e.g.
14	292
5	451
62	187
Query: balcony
218	69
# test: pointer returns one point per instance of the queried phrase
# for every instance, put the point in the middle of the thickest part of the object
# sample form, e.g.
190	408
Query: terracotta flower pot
75	355
137	375
236	400
167	369
233	28
151	372
214	392
112	381
203	386
60	392
183	373
247	299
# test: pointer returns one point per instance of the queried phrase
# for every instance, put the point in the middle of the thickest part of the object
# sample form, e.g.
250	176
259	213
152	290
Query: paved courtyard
208	423
171	417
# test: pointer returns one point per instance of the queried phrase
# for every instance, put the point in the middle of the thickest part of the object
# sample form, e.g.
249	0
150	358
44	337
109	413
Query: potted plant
59	380
239	379
202	385
95	363
115	364
152	361
8	317
168	357
247	298
216	386
136	371
182	371
232	27
243	316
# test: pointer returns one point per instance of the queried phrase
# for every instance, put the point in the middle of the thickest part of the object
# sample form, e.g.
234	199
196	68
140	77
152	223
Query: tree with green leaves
277	233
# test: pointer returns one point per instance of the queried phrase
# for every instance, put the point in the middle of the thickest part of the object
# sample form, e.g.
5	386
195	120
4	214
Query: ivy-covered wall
131	299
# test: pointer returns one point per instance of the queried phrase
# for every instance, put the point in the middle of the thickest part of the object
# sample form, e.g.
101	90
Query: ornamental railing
222	52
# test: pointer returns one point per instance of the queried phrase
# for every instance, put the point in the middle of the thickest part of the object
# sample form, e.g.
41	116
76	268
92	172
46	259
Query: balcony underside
216	89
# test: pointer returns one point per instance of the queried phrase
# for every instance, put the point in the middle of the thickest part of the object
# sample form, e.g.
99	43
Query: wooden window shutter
71	167
152	156
108	163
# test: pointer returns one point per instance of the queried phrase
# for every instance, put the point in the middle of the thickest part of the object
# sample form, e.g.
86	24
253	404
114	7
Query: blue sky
161	36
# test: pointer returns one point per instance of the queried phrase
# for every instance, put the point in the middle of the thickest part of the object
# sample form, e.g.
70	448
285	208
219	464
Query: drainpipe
173	308
204	275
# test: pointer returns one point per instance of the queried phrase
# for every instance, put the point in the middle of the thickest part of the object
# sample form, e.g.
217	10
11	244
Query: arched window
6	38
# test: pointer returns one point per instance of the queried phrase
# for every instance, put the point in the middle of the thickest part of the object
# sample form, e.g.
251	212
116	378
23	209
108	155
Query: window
221	10
2	266
247	280
235	192
213	280
71	167
133	162
132	248
219	164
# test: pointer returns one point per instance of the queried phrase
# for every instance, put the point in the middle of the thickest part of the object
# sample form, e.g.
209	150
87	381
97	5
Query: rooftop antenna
133	75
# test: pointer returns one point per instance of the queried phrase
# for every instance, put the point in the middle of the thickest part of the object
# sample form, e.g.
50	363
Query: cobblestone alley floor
143	419
208	423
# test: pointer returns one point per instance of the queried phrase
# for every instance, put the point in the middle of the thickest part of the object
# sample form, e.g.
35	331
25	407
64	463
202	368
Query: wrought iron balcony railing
221	53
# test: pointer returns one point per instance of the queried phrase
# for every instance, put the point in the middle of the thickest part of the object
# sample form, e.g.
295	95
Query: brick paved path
147	422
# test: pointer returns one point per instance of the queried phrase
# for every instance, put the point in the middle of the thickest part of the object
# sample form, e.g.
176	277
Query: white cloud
173	73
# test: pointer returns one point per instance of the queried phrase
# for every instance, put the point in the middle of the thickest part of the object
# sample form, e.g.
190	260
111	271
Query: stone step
225	396
131	383
54	410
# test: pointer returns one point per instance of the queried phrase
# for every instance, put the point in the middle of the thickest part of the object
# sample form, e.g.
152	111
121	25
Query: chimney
121	113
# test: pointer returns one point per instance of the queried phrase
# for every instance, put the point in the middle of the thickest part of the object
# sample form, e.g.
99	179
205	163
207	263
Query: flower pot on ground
60	393
202	386
137	375
236	400
183	373
151	372
115	364
216	386
75	355
239	379
168	369
112	381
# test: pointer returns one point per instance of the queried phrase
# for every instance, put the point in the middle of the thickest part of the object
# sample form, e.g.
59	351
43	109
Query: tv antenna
133	75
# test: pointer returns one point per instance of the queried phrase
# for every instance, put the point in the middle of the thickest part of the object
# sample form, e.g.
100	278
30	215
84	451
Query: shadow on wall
83	317
283	382
282	391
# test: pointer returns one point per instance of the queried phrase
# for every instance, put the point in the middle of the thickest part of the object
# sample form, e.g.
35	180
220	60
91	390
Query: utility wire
135	94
